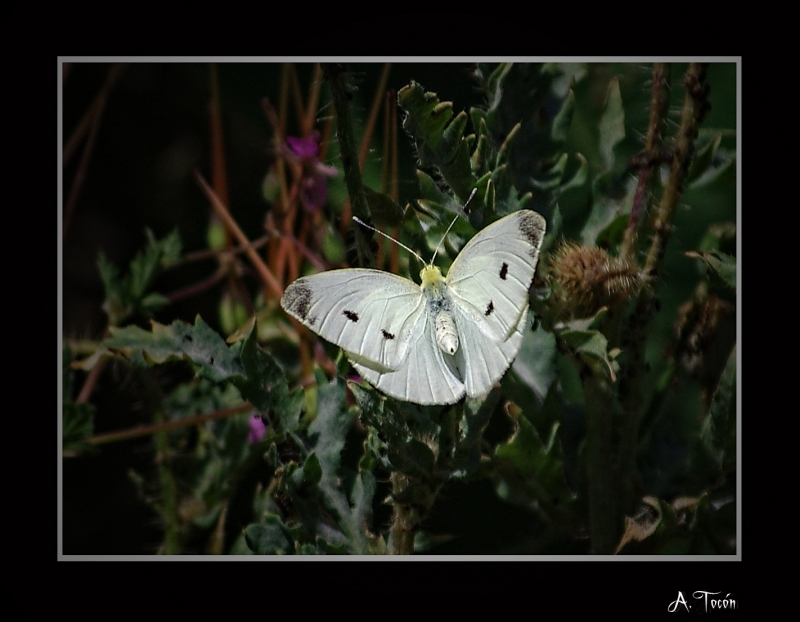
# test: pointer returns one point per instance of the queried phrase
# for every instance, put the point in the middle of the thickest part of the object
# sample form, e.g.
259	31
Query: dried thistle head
586	278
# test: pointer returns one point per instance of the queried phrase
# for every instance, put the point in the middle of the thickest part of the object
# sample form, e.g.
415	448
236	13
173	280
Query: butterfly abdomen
446	333
434	287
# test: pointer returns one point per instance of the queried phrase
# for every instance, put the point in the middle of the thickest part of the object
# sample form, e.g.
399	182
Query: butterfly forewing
372	315
489	279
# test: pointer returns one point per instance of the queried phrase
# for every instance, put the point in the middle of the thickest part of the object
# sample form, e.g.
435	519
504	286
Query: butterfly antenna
386	235
472	194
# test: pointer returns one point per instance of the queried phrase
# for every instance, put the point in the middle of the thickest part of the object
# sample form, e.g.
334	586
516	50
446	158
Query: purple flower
314	183
257	429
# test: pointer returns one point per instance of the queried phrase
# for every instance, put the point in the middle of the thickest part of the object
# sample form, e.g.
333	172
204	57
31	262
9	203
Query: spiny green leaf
612	124
129	294
269	537
721	264
591	344
413	458
722	412
312	471
77	425
438	136
385	212
579	178
563	120
375	452
529	468
535	365
703	158
609	203
178	341
248	366
264	384
361	497
330	427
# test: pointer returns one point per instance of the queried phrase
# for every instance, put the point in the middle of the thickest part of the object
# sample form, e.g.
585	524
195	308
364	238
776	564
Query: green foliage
579	427
77	419
724	266
128	295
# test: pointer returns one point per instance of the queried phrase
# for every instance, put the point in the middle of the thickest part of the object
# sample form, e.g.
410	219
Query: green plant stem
168	505
408	517
633	380
653	156
603	523
405	523
341	94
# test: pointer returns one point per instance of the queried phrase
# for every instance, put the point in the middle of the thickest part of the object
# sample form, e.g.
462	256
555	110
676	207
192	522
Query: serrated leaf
530	468
312	471
154	301
415	494
439	137
612	124
248	366
579	178
703	158
330	427
385	212
77	426
612	234
269	537
563	120
719	428
375	452
264	384
592	344
609	204
178	341
642	526
723	404
361	497
553	175
413	458
129	294
327	434
535	365
723	265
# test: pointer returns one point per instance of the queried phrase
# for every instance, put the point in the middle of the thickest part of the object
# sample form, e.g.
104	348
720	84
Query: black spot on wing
351	315
504	271
489	309
386	334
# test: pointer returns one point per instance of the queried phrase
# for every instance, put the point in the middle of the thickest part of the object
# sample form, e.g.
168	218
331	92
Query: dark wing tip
533	226
297	298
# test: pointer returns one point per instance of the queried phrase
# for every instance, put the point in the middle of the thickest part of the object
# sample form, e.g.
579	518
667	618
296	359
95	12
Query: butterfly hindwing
428	376
489	279
372	315
483	362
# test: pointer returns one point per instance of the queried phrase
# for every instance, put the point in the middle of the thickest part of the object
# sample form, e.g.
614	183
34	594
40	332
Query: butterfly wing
381	322
428	376
482	362
374	316
489	279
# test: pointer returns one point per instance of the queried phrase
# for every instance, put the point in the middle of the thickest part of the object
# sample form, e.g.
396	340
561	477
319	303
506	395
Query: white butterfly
430	343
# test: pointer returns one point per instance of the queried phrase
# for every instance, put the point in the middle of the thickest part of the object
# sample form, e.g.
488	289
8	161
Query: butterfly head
430	276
